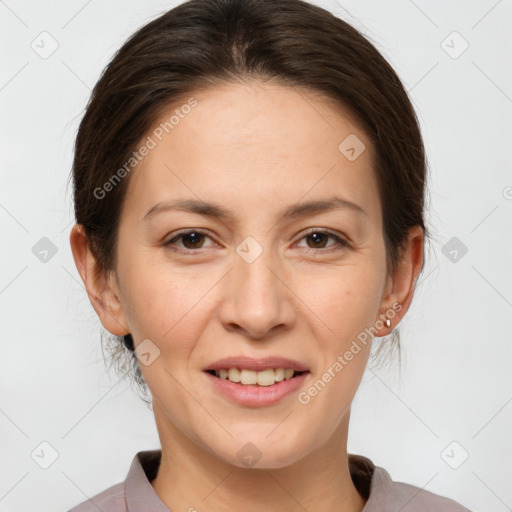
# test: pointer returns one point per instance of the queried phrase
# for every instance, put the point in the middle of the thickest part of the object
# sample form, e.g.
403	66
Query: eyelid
342	240
323	230
184	233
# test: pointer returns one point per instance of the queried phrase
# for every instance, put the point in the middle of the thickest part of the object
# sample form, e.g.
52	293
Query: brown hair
201	43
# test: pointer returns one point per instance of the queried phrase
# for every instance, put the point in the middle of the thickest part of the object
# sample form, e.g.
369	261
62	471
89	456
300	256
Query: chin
266	447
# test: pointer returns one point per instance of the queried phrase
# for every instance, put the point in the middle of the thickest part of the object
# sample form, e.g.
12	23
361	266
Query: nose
257	299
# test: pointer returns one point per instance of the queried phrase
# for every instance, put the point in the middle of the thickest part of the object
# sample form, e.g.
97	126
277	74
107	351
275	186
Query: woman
249	182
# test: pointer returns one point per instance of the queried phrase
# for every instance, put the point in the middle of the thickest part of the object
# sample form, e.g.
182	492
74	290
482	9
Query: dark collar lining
361	470
150	462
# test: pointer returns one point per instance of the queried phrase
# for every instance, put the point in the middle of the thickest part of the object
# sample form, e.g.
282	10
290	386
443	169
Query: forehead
242	144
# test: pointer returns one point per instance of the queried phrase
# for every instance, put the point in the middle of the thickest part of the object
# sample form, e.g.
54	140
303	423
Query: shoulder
383	494
386	494
112	499
135	491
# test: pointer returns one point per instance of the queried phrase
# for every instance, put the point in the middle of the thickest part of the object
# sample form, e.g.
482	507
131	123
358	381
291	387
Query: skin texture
253	149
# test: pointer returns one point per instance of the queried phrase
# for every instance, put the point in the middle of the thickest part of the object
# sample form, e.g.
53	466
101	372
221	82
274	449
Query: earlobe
102	289
403	281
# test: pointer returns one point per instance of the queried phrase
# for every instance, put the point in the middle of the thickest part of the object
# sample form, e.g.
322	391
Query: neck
192	478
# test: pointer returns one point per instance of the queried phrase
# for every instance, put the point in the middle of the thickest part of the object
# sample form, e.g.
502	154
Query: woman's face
253	283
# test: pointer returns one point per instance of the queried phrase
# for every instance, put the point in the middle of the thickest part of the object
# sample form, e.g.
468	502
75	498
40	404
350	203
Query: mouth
263	378
256	382
255	389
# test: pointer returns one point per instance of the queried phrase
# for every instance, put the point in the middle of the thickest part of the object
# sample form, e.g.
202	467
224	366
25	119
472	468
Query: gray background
453	396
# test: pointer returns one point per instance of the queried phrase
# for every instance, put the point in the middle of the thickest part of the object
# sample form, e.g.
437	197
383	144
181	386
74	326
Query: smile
248	391
267	377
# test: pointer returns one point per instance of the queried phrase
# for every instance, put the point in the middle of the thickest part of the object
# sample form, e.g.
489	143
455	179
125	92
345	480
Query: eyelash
341	242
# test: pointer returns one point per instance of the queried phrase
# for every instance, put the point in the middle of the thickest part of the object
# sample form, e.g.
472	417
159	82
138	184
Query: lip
260	364
253	395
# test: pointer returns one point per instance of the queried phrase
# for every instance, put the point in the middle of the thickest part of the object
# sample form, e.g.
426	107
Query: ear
103	290
400	285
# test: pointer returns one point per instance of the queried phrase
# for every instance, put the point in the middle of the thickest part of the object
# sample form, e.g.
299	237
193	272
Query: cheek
343	307
170	309
344	301
153	308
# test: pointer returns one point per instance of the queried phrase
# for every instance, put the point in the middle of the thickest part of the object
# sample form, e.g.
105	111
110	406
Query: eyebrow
291	212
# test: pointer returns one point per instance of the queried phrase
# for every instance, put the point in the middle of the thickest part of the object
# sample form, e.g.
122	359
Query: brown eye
318	239
190	241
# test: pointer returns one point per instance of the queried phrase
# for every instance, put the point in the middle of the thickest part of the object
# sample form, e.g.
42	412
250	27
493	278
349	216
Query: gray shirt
136	494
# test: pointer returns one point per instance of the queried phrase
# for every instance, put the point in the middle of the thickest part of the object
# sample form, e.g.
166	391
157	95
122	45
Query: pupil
194	236
317	237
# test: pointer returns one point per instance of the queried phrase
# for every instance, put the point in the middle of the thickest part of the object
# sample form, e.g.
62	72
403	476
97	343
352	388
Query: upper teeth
263	378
